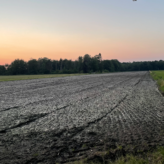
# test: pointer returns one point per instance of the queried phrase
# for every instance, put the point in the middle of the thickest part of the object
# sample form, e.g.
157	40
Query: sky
118	29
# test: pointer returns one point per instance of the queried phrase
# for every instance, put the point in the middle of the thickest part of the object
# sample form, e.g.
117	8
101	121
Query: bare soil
59	120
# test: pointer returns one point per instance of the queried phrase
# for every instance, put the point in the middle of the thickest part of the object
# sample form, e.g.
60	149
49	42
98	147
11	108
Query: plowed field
62	119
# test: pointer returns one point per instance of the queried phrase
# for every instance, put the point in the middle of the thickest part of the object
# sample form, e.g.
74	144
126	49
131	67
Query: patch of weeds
35	155
119	147
139	151
72	150
130	159
84	146
156	157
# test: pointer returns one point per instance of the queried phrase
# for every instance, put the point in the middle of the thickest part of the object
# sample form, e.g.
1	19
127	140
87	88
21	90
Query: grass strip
29	77
159	77
156	157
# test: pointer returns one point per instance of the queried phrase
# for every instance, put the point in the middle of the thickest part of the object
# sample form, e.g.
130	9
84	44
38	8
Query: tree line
84	64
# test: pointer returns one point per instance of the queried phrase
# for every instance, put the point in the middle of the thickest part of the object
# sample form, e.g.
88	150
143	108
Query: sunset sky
118	29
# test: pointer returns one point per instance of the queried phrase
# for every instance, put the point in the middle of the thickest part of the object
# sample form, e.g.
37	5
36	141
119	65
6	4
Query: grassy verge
159	77
28	77
156	157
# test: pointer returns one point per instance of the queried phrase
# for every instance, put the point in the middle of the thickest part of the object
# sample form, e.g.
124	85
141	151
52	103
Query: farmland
67	118
28	77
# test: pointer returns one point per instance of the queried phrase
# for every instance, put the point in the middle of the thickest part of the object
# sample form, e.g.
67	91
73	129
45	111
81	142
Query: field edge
30	77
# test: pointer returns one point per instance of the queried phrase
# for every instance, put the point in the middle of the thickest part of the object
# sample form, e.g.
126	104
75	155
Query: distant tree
48	66
76	67
55	65
80	64
86	63
2	70
116	64
100	62
96	63
66	66
108	65
45	65
61	64
161	65
32	66
18	67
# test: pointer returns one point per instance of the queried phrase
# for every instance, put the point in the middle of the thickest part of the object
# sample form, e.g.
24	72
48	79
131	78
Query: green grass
156	157
28	77
159	77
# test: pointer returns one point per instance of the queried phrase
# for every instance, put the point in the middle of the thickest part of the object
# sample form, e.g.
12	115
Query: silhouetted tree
108	65
32	66
18	67
80	64
2	70
86	63
44	65
116	64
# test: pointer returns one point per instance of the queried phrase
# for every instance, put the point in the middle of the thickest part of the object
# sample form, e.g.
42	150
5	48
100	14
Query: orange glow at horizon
14	46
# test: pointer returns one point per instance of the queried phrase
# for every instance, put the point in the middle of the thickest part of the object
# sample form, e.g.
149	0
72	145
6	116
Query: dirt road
62	119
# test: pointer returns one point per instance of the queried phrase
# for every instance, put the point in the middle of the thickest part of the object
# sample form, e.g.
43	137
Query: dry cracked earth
58	120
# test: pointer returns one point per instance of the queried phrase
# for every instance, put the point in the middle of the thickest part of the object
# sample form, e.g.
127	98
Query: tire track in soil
132	120
119	103
137	134
82	90
30	120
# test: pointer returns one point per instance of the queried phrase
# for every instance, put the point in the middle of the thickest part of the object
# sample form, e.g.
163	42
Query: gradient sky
118	29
